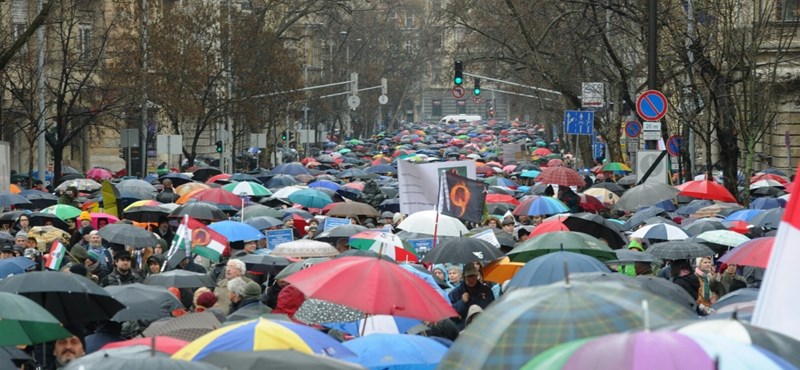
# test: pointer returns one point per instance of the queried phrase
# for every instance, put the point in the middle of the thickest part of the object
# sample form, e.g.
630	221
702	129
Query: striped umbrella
248	188
384	243
546	206
63	211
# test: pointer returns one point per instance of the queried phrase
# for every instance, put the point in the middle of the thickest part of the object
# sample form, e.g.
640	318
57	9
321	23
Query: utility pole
143	126
41	149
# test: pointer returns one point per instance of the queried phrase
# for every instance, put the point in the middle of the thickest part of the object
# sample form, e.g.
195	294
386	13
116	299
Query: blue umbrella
693	207
397	324
281	181
293	169
14	266
396	351
425	276
549	268
763	203
310	198
743	215
236	231
327	184
666	205
547	206
7	199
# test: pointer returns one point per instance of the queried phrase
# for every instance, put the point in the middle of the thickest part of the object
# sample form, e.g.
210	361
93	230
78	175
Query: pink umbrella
99	173
96	217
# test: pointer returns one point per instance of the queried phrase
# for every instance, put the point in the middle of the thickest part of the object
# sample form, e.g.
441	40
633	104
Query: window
409	21
436	108
408	46
392	16
17	29
85	40
788	10
461	106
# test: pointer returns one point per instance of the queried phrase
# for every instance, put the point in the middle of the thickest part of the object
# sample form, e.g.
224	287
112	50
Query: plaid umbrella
679	249
563	176
644	195
722	237
526	322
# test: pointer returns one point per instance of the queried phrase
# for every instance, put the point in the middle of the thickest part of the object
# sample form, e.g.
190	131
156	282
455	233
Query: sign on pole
633	129
578	122
674	145
458	92
169	144
129	138
593	95
651	105
258	140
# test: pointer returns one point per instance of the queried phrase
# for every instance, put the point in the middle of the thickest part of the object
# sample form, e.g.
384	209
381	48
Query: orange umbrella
14	189
501	270
189	187
187	196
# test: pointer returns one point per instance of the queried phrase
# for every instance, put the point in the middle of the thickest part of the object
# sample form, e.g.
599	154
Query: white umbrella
284	192
304	248
660	231
424	222
136	186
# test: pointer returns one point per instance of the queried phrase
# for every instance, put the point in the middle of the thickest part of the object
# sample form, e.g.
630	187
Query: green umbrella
63	211
22	321
617	167
526	322
570	241
258	210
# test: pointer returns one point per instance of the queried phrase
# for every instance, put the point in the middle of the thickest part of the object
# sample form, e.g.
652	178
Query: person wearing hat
95	243
68	349
204	301
508	225
122	274
243	294
21	239
96	270
387	217
6	252
471	292
70	197
288	223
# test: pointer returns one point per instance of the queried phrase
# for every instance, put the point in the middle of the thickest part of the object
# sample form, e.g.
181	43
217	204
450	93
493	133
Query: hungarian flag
462	198
53	259
193	236
776	306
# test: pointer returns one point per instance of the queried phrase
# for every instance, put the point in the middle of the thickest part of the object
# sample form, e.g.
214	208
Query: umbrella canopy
343	231
463	250
396	351
190	187
236	231
562	176
258	210
501	270
204	173
143	302
69	297
644	195
180	279
199	210
542	206
679	249
528	321
725	238
85	185
218	196
304	248
549	268
700	226
706	189
141	360
176	178
658	286
641	215
556	241
135	186
250	188
632	256
9	199
15	265
425	222
263	222
610	186
353	209
161	344
187	327
742	215
263	334
291	168
384	243
616	167
755	252
399	293
769	219
597	226
660	231
277	360
126	234
25	322
63	211
310	198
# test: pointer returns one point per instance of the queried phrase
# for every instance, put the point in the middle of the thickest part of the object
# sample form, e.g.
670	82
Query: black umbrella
143	302
237	177
768	191
679	249
41	219
8	200
338	232
177	179
39	199
296	211
391	205
282	181
277	360
363	253
263	222
69	297
598	227
12	358
5	236
204	173
180	279
264	263
350	193
702	225
146	214
640	216
125	234
109	360
463	250
200	210
504	238
12	216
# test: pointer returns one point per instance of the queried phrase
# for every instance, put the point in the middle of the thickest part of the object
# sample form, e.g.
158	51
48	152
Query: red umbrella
307	160
223	177
591	204
555	163
374	286
501	198
738	226
563	176
542	152
706	189
755	252
166	345
219	196
548	227
99	173
769	176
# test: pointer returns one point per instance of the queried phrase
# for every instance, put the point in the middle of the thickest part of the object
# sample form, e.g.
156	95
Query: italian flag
53	259
194	237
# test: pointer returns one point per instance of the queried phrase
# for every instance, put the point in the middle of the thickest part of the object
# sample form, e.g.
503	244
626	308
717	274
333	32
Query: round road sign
477	99
633	129
383	99
353	101
458	92
674	145
651	105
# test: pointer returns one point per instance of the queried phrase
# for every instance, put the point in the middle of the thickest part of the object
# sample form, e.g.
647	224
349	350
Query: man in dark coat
471	292
122	274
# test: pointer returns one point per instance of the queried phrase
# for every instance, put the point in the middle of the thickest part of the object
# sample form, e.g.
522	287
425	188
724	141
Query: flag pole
438	209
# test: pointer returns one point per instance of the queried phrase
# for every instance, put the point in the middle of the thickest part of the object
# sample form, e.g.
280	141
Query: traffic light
477	89
459	77
284	135
219	146
291	135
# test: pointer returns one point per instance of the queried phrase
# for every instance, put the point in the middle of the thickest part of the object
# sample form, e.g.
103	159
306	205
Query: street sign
306	136
651	159
476	99
633	129
458	92
599	148
353	101
652	126
258	140
651	135
674	145
633	145
383	99
169	144
578	122
592	95
651	105
129	138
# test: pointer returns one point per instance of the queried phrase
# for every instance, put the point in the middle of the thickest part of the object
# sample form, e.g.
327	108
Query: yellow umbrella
45	235
501	270
190	186
604	195
145	202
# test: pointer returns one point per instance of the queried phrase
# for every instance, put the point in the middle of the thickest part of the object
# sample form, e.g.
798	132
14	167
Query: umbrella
425	222
166	345
658	286
400	292
700	226
8	200
546	206
384	243
250	188
85	185
145	214
528	321
706	189
660	231
240	177
204	173
143	302
285	192
693	207
236	231
97	216
550	268
46	234
107	360
62	211
316	312
610	186
217	196
258	210
758	203
463	250
616	167
755	252
180	279
641	215
199	210
338	232
13	358
632	256
353	209
136	186
187	327
69	297
571	241
299	265
277	360
125	234
396	351
501	270
304	248
562	176
281	181
190	187
644	195
176	178
327	184
310	198
14	266
13	215
743	215
679	249
263	263
263	334
547	227
25	322
597	226
725	238
769	219
263	222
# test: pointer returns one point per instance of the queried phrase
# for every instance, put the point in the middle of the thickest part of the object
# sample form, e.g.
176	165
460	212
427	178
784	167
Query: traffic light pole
512	84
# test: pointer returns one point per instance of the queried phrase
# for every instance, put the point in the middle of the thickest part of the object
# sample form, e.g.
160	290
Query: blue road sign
633	129
578	122
651	105
599	148
674	145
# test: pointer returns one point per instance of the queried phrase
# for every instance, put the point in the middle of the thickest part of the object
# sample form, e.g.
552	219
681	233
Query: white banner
488	236
419	183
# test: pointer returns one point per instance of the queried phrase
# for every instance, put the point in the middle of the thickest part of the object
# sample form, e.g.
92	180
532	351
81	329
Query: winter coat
289	300
372	194
115	278
481	295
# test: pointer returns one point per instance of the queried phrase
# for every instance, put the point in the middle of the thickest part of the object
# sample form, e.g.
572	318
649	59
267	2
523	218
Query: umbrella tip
646	314
566	273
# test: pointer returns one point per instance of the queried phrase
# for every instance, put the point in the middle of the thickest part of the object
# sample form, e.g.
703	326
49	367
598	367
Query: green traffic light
477	91
458	80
